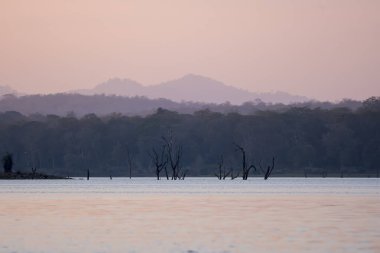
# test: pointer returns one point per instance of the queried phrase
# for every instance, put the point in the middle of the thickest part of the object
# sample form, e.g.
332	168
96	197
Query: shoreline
26	176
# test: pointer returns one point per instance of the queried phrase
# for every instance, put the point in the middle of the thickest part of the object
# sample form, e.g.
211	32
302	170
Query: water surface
194	215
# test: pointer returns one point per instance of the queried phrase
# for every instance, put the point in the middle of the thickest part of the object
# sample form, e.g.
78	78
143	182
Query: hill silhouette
193	88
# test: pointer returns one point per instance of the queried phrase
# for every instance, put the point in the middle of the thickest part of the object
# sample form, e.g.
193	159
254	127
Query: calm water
195	215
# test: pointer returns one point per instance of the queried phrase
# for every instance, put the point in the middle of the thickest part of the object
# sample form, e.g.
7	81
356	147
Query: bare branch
269	170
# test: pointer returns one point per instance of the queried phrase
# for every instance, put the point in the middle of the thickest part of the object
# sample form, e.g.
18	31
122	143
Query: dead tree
220	166
226	174
174	155
183	175
88	174
222	174
130	163
234	176
160	162
269	170
245	168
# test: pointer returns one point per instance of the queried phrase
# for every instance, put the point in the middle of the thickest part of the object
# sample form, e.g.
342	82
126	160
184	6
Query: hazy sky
322	49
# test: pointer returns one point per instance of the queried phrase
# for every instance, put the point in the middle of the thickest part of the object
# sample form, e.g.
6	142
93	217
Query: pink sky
321	49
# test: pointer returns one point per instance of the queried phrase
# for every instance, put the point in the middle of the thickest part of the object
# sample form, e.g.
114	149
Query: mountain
115	86
203	89
190	87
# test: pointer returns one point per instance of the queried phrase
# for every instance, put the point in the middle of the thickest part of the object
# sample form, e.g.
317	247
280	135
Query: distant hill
191	87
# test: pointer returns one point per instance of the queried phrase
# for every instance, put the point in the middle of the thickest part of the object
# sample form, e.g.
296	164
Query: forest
102	105
312	142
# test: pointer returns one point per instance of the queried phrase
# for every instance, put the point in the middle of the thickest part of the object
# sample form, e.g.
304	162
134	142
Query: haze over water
195	215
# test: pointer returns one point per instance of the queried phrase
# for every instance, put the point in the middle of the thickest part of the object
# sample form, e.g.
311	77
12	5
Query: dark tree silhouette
245	168
234	176
160	161
222	173
182	177
7	163
220	166
130	162
174	154
269	170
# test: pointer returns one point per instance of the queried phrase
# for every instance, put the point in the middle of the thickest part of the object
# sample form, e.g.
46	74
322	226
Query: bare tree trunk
88	174
183	175
269	170
174	154
220	166
130	163
159	162
245	167
226	174
234	176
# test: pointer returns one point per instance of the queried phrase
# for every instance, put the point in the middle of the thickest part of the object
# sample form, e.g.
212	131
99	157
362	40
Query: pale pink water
204	215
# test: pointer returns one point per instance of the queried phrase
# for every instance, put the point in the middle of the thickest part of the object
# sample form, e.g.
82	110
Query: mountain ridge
191	88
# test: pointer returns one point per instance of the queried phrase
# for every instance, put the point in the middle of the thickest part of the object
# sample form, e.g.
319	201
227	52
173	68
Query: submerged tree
160	161
268	170
174	155
130	162
7	163
222	173
245	167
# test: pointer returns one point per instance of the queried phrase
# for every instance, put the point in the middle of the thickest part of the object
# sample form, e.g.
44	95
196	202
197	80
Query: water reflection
198	215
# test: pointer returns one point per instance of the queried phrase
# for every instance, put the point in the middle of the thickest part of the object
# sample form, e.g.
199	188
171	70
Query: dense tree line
304	141
101	105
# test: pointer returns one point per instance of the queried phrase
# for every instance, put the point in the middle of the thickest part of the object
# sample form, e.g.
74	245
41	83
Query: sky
327	50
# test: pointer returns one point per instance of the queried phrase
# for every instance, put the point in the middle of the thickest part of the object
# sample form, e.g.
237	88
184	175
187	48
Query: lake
194	215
